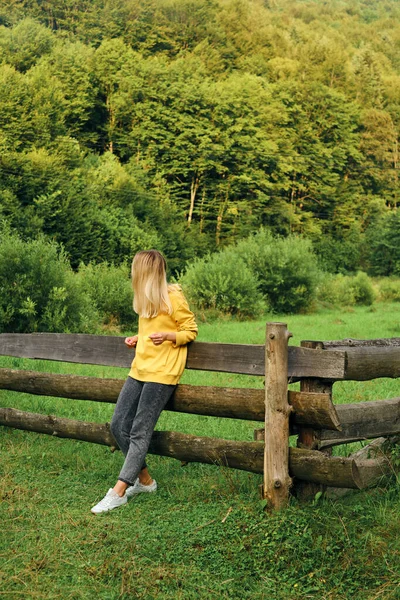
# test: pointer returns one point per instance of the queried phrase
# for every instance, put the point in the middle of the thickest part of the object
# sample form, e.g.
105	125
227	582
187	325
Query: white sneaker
111	500
138	488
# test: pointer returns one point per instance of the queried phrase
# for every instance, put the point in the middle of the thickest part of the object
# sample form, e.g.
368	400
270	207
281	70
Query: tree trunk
193	191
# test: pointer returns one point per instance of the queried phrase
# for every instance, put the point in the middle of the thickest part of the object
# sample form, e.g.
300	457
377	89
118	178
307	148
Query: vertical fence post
277	411
309	437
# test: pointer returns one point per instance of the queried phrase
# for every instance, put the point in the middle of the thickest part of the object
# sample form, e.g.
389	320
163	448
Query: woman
166	325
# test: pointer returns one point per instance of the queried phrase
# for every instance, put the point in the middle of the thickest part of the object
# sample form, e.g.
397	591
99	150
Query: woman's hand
131	341
160	337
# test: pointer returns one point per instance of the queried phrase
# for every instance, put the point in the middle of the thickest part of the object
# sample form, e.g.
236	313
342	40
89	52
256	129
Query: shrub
286	269
389	290
334	290
223	282
110	289
342	290
363	289
38	290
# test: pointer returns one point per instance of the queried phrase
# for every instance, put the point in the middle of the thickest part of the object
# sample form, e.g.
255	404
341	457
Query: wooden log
235	403
309	436
318	468
353	343
277	410
373	464
369	359
98	433
111	351
314	408
248	456
363	421
74	387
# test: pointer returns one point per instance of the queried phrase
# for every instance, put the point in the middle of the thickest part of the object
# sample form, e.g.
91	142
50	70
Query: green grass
205	533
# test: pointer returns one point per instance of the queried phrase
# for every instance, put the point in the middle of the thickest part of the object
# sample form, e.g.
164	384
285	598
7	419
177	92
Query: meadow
205	533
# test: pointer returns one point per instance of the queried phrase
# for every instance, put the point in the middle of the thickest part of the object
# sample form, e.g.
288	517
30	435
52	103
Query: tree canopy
188	124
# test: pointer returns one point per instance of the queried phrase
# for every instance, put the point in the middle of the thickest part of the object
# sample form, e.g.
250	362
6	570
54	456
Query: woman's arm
186	324
160	337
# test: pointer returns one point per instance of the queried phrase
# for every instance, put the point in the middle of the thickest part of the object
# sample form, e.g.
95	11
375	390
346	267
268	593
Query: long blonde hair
149	282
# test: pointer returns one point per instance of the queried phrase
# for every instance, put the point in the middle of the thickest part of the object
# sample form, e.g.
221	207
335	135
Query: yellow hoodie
164	363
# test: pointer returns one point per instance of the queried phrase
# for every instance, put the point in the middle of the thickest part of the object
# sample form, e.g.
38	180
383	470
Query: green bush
363	289
110	289
334	290
222	282
345	290
38	290
286	269
389	290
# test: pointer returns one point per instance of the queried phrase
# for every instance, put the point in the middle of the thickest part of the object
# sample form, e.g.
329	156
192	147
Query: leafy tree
22	45
383	245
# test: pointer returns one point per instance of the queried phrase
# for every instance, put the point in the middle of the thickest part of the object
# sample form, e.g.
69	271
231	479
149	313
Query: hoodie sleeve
186	324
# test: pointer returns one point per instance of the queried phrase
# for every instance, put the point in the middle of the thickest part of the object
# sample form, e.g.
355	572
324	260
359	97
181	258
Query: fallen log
248	456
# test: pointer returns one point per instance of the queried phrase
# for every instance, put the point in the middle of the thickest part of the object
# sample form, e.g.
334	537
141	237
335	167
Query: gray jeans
138	407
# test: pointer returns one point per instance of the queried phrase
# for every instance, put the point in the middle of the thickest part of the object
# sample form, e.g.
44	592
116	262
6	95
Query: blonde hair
149	282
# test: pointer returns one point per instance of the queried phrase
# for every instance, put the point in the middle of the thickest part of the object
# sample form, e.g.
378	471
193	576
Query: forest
188	124
242	138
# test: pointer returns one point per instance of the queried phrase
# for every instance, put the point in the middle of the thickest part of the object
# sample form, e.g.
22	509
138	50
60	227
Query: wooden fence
309	413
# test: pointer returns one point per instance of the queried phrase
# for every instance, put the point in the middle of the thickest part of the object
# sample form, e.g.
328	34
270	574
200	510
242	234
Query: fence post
308	437
277	411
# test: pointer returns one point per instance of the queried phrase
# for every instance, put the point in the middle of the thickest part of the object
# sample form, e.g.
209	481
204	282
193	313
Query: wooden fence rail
309	413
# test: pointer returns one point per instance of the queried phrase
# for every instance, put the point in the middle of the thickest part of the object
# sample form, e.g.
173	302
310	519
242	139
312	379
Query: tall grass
205	533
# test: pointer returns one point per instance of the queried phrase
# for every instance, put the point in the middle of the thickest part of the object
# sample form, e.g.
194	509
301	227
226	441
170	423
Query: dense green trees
188	124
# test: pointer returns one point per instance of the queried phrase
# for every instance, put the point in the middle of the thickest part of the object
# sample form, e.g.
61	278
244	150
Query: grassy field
205	533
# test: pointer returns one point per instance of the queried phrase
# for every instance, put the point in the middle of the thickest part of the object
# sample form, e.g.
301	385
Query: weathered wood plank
111	351
369	359
315	362
248	456
247	359
363	421
313	408
365	363
349	342
74	348
336	361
